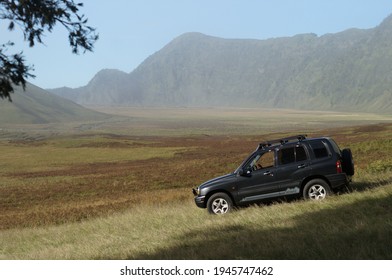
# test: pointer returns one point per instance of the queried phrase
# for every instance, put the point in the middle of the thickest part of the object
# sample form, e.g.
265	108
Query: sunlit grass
350	226
29	158
120	196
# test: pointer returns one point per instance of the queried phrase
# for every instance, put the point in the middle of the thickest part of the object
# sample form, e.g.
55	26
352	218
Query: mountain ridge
37	106
350	70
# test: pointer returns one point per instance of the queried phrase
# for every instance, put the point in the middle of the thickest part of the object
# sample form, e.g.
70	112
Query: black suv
311	167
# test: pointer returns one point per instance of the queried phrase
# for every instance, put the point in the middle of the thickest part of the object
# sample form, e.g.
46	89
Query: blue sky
132	30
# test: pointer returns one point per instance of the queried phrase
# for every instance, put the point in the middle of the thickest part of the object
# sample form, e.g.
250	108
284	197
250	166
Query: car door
259	179
292	166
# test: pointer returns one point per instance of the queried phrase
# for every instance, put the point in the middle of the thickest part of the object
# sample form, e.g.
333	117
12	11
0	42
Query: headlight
196	191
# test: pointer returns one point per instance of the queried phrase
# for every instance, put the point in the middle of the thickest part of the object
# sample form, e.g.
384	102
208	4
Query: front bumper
199	199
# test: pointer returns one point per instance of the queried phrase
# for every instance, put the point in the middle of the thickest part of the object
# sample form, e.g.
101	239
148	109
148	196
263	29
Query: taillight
339	166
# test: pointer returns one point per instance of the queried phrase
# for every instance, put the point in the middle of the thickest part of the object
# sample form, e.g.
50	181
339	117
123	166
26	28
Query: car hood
218	180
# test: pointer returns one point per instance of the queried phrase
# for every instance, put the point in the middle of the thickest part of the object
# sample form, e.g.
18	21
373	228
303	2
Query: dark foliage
13	71
35	18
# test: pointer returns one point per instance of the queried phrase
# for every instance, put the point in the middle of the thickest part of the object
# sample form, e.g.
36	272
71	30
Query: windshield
258	160
244	163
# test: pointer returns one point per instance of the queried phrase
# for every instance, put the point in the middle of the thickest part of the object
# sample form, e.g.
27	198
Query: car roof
286	140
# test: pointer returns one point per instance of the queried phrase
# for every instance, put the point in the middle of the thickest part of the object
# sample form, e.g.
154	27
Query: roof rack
282	141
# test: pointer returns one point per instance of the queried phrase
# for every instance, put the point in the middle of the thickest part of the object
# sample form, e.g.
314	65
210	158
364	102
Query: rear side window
335	146
319	148
291	155
286	156
300	154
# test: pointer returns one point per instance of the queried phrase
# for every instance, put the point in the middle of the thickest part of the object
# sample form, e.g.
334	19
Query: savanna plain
120	188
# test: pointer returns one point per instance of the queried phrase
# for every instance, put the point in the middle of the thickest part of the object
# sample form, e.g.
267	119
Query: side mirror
245	173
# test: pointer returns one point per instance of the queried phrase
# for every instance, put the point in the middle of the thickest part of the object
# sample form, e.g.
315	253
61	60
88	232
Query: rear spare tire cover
348	162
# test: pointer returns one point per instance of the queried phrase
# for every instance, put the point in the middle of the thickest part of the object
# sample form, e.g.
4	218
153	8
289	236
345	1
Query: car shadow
361	230
365	185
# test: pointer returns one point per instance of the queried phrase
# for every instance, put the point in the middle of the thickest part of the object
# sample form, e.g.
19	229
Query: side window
262	161
335	147
286	155
319	149
267	160
300	153
292	154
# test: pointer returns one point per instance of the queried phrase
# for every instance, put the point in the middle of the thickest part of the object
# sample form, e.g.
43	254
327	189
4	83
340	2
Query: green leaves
13	71
35	18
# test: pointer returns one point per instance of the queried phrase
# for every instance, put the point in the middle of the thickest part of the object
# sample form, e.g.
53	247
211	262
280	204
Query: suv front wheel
316	189
219	203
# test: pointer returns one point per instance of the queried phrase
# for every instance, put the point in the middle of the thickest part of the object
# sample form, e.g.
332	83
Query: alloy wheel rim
317	192
220	206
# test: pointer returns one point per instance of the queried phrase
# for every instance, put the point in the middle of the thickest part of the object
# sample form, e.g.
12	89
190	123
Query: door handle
301	166
268	173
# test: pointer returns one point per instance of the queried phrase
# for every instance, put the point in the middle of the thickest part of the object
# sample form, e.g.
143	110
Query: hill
37	106
349	71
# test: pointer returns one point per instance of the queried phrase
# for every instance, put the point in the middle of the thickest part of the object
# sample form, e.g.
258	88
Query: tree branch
35	17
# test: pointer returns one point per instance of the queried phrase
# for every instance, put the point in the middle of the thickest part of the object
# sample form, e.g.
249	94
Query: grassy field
122	190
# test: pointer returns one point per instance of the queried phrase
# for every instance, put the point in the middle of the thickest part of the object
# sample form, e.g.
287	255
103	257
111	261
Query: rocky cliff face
350	70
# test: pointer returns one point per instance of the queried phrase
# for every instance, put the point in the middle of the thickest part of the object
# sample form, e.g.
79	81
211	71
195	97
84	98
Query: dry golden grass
112	195
349	226
67	179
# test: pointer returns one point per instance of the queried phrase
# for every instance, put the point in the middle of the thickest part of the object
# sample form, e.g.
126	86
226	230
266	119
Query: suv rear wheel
219	203
316	189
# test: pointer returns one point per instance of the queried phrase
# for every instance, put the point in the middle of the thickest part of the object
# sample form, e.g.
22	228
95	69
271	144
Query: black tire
347	162
316	189
219	203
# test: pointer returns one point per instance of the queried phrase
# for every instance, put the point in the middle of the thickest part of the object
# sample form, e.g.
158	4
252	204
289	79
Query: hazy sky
131	30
